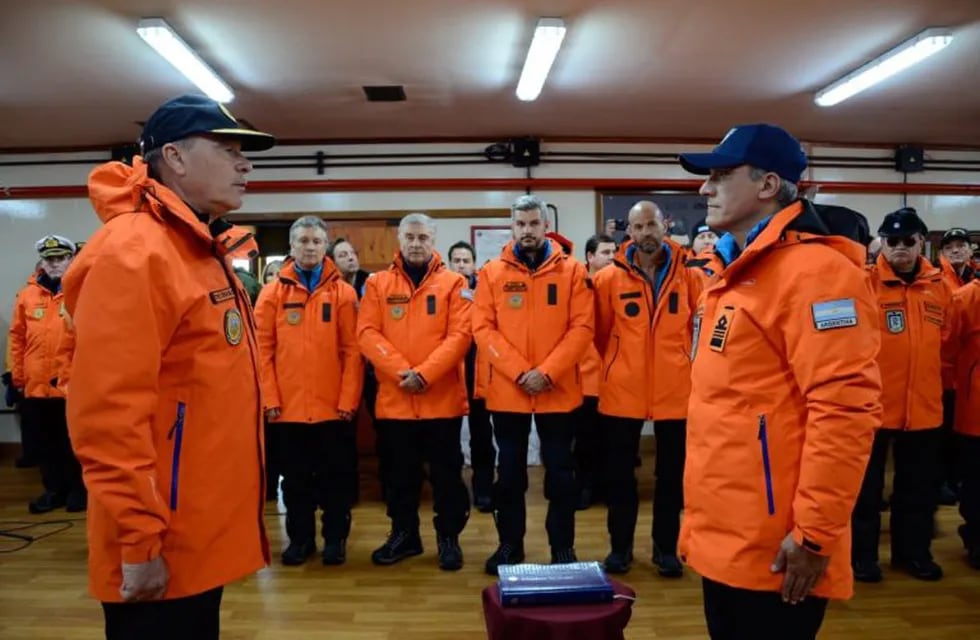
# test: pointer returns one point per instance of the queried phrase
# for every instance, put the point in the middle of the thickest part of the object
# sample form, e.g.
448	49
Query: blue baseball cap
764	146
192	114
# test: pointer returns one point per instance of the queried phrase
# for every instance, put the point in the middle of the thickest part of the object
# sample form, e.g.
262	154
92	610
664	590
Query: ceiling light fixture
159	35
540	56
898	59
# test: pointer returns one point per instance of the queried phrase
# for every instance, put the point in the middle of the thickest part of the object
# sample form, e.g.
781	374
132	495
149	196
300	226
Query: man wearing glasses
913	306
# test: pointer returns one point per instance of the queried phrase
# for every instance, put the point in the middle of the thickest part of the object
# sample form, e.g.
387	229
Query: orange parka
36	327
425	329
541	319
311	365
785	400
163	406
964	349
645	338
913	322
952	278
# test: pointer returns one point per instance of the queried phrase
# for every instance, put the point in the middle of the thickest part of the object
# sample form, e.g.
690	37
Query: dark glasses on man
907	241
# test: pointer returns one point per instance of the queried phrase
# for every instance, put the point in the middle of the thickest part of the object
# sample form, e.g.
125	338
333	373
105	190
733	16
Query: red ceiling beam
512	184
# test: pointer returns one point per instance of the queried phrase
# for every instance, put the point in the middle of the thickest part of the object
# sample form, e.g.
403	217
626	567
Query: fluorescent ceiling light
898	59
158	34
544	47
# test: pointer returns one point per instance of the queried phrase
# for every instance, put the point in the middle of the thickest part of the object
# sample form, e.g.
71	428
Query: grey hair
417	218
154	157
529	203
307	222
787	190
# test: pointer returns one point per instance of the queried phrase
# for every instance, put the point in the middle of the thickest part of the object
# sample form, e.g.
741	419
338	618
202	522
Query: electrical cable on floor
26	540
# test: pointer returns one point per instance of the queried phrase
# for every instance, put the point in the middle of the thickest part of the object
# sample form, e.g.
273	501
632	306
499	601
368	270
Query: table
566	622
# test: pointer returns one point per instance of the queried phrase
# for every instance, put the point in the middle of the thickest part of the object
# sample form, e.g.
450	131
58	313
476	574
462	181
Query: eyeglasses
907	241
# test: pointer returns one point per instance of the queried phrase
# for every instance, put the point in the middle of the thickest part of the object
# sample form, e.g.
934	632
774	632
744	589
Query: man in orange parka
955	258
414	327
645	306
312	374
964	353
913	302
600	250
533	322
784	395
36	328
164	401
958	269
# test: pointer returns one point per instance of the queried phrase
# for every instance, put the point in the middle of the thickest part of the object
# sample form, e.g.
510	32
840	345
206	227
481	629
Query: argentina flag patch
834	314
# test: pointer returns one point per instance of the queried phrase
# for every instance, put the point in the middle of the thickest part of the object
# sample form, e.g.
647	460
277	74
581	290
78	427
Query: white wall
23	221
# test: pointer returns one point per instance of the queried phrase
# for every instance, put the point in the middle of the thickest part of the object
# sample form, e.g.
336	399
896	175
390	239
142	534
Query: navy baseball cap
193	114
956	233
764	146
902	223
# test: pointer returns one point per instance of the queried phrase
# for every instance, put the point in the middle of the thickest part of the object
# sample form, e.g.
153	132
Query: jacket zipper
609	367
177	435
766	467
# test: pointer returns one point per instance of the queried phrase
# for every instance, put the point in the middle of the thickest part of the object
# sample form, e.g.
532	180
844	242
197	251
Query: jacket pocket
612	360
766	466
177	435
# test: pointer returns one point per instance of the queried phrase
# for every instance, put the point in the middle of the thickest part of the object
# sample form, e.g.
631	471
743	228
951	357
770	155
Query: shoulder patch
834	314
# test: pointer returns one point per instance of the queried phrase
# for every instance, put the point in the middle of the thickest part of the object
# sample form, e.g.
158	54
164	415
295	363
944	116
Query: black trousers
29	437
741	614
621	443
668	494
191	618
969	447
318	469
273	458
590	458
60	472
557	433
408	445
483	456
918	474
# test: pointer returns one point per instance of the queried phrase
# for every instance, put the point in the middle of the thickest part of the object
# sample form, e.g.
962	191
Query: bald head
645	209
646	226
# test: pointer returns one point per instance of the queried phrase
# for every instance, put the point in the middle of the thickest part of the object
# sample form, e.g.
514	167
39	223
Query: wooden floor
43	587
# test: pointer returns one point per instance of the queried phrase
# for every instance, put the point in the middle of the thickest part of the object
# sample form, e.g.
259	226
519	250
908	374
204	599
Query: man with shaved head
645	306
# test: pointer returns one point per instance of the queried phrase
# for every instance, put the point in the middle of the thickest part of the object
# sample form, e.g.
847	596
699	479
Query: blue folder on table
553	584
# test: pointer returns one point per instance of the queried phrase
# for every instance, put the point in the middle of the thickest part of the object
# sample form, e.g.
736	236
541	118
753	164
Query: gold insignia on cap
51	243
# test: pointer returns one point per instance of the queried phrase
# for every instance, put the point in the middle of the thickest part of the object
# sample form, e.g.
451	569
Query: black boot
563	556
77	501
335	553
618	561
298	552
46	502
866	571
505	554
398	546
450	553
668	564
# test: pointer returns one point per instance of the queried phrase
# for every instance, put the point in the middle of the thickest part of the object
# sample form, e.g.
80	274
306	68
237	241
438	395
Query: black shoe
77	501
668	564
505	554
483	504
297	553
924	569
584	499
45	502
618	561
563	556
335	553
972	550
450	553
947	496
398	546
866	571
